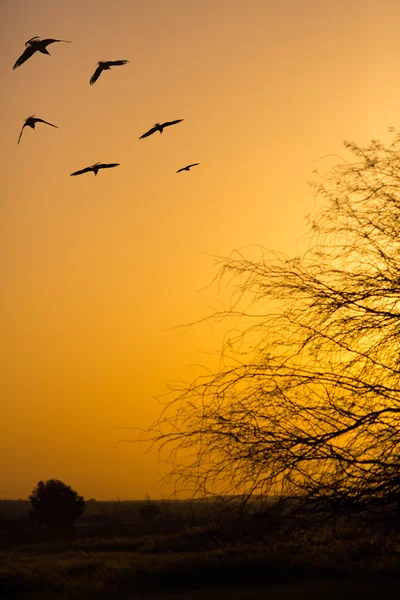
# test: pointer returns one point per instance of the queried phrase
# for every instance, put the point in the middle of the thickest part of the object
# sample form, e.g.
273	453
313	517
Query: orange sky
95	271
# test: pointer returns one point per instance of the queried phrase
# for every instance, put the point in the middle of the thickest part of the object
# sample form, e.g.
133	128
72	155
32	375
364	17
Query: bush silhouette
55	504
149	511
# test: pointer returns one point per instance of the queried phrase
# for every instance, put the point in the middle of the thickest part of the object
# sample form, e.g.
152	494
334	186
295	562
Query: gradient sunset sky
96	271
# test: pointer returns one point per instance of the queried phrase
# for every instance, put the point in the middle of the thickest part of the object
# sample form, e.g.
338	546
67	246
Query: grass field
184	553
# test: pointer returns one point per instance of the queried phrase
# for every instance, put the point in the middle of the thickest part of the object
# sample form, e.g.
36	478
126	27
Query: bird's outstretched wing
149	132
107	166
82	171
187	167
96	74
48	41
23	127
47	123
117	63
168	123
27	53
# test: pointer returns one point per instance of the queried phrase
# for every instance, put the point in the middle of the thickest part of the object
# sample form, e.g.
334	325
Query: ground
112	553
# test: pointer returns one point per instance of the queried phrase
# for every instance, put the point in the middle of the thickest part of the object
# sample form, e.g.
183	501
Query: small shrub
149	511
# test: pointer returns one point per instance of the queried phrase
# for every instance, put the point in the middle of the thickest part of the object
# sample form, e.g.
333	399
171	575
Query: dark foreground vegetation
196	547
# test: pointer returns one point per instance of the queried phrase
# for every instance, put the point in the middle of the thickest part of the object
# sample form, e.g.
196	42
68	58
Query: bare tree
306	402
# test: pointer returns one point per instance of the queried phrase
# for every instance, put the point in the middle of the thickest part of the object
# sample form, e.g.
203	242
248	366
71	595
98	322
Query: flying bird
31	122
187	168
105	65
159	127
33	45
95	168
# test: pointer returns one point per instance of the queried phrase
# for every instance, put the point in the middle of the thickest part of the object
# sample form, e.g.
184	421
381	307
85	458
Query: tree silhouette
306	402
55	504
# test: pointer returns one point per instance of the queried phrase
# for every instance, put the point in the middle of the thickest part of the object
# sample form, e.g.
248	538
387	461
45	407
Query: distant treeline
20	508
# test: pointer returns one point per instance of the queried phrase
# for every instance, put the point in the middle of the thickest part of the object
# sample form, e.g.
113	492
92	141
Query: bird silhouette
95	168
105	65
187	168
33	45
159	127
31	122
